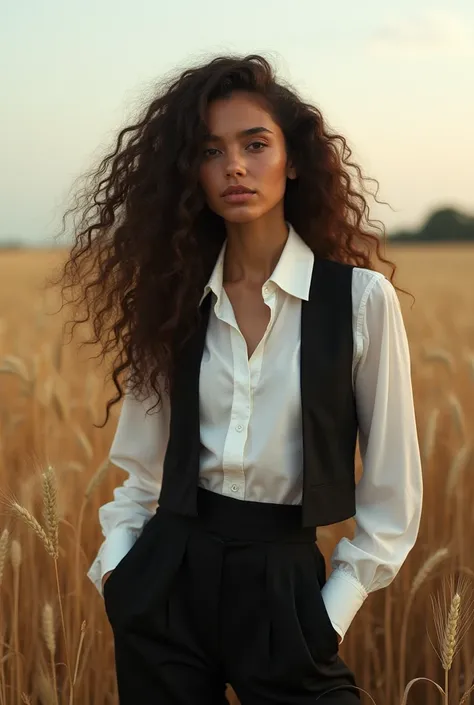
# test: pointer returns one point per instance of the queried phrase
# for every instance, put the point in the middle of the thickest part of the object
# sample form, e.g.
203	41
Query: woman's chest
270	379
252	316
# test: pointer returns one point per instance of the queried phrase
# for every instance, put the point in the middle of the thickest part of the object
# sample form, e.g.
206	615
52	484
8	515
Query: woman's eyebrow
243	133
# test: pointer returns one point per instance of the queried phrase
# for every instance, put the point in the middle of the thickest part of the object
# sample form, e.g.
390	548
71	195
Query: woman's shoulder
363	275
370	285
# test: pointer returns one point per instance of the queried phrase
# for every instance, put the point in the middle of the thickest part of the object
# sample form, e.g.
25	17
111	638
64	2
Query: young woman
232	274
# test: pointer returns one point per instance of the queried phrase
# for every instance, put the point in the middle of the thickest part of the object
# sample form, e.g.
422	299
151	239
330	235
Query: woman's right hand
106	577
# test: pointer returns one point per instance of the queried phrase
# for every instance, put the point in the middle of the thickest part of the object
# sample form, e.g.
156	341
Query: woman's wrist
105	577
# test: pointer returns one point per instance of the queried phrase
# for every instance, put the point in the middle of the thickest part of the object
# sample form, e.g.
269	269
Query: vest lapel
328	410
181	464
311	354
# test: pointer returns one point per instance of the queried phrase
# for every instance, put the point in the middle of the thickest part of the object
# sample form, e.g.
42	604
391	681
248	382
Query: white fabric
251	430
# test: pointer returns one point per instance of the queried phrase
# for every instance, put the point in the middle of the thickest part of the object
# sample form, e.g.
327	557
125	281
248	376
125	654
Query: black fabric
328	405
329	415
230	596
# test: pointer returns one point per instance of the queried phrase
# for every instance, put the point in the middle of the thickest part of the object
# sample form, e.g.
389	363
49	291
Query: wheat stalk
48	628
14	364
418	680
79	649
440	355
33	524
430	434
466	695
49	636
47	694
60	405
50	507
97	478
16	560
16	555
4	549
431	563
460	461
427	568
53	550
453	615
449	643
4	546
458	414
83	441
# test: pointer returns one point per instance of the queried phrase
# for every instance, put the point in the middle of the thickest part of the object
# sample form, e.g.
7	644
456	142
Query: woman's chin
240	214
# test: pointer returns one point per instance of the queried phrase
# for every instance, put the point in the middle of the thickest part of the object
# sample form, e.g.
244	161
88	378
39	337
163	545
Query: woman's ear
290	171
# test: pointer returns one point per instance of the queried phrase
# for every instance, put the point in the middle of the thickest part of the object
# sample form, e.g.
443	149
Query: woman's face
245	147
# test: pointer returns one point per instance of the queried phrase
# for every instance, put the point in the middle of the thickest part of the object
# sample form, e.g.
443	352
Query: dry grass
55	642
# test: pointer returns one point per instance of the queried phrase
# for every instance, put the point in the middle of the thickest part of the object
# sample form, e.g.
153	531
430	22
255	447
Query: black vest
327	398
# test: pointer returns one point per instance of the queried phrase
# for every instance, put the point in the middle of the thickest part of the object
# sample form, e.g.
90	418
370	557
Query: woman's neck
253	250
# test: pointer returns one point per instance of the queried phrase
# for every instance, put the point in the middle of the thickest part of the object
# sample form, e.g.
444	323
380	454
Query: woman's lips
238	197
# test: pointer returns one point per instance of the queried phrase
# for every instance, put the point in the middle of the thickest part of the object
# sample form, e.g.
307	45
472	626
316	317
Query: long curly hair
147	241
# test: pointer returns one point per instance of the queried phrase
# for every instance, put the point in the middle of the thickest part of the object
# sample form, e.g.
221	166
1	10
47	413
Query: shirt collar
292	272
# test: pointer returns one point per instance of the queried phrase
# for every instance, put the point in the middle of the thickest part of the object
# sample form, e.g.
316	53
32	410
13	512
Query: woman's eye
212	151
258	144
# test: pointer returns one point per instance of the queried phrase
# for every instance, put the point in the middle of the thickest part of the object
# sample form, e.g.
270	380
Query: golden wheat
49	634
453	611
431	563
440	355
4	545
428	567
49	397
50	507
33	524
449	643
458	465
16	555
429	444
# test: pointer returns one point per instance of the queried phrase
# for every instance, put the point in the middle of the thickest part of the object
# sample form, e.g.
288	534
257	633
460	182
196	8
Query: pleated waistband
251	521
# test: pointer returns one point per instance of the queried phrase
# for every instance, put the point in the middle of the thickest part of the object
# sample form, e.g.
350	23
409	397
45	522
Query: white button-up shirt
251	435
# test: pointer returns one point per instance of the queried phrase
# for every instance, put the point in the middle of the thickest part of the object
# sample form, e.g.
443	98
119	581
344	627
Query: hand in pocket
106	577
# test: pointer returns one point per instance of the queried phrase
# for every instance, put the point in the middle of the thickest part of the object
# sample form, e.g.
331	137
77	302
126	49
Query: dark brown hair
146	242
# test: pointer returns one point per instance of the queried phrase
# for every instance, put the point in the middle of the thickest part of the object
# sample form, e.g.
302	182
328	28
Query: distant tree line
11	244
444	225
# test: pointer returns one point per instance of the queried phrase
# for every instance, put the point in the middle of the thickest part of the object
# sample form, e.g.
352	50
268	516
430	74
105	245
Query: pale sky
395	78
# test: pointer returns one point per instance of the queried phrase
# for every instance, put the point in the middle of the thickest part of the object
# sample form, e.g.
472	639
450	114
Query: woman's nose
235	167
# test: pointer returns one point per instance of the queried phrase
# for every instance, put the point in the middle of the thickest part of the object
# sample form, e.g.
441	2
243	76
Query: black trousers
231	596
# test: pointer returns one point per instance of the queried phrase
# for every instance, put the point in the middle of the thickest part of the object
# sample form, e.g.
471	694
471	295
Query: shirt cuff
115	547
343	596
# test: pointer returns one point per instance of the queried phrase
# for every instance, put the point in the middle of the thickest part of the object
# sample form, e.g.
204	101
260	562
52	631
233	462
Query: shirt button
266	290
234	488
239	427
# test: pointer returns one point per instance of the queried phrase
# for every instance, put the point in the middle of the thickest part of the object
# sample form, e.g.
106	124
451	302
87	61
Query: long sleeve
138	447
390	492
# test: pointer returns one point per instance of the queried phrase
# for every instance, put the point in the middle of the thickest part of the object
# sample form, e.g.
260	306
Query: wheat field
56	645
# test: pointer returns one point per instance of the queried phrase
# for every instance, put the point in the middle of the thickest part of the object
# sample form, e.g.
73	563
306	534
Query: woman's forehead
237	114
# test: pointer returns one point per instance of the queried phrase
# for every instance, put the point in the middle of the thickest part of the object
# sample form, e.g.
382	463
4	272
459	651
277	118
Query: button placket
257	358
233	456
